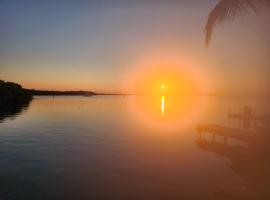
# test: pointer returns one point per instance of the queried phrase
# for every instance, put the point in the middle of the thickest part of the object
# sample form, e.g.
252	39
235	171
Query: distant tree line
61	93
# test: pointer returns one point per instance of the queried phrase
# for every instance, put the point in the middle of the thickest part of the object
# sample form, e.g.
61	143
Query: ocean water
130	147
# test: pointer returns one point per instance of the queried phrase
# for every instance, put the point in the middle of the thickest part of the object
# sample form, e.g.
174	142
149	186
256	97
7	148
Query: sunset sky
96	45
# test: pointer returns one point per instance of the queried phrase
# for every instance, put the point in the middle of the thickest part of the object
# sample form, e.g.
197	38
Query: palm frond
228	10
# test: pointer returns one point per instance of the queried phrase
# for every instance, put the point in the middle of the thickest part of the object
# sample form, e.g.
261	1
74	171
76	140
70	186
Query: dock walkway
227	132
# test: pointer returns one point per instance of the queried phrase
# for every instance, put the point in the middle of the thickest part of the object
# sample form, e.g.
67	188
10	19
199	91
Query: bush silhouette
13	93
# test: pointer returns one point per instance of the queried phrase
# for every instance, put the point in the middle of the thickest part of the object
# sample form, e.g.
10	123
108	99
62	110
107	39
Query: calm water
120	148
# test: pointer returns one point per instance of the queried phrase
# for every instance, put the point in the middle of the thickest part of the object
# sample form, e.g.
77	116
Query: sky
96	45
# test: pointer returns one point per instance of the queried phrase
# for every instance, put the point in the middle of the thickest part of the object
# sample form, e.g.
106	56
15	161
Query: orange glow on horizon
167	76
176	83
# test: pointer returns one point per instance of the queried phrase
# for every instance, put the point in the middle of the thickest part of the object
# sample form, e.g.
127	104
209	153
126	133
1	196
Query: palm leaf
228	10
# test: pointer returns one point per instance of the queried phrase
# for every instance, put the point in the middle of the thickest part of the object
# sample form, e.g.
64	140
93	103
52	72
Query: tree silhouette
228	10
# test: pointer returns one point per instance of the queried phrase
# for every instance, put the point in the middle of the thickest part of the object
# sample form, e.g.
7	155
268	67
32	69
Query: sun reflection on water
162	105
166	112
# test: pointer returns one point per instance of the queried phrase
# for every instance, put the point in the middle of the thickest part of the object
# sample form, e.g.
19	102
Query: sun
163	87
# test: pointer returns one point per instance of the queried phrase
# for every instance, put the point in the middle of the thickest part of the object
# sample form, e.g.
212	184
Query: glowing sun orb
163	87
166	93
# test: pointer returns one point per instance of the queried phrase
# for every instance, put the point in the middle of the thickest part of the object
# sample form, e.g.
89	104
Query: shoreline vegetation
13	93
14	99
67	93
61	93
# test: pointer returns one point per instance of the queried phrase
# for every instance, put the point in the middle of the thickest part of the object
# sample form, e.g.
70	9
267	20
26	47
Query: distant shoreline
84	93
60	93
69	93
13	92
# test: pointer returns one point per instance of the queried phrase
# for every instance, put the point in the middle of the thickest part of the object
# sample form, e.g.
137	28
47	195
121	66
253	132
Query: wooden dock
227	132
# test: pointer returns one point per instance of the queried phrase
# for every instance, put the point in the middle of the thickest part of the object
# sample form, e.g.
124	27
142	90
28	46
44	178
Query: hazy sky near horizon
92	45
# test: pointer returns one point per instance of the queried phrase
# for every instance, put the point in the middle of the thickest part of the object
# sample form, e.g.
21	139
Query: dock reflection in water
250	161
